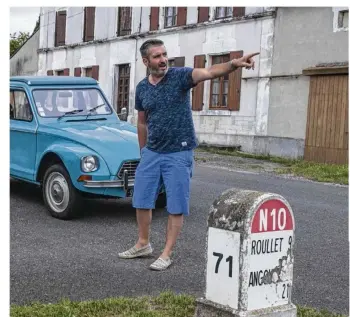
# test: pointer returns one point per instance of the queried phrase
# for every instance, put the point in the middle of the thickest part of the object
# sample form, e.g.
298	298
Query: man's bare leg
174	227
144	218
142	247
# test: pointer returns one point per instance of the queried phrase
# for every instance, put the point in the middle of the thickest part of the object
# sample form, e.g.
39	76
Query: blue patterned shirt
168	111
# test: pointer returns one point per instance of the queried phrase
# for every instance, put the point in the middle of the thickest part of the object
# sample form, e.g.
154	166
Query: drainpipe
135	58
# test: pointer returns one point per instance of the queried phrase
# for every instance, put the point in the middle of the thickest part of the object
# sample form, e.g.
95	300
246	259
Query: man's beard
157	72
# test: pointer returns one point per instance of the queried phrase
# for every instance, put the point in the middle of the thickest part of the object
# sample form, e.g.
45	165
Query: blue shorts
174	170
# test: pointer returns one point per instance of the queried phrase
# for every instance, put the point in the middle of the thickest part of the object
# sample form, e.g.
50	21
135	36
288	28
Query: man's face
157	60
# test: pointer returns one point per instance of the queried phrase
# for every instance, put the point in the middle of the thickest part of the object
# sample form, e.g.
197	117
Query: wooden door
327	132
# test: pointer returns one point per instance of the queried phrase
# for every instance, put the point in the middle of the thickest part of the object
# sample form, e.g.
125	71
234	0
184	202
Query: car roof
53	80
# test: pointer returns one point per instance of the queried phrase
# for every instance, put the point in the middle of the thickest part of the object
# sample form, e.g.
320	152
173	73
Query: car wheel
61	198
161	200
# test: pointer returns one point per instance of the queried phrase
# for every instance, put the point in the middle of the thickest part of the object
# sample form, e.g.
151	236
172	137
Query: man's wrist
233	63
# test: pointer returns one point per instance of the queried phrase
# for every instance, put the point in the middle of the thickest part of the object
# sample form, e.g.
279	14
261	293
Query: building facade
25	60
307	38
261	111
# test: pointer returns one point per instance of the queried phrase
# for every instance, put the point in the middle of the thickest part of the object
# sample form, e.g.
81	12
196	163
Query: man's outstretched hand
245	61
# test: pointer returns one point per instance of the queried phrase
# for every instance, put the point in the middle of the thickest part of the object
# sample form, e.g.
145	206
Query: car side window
19	106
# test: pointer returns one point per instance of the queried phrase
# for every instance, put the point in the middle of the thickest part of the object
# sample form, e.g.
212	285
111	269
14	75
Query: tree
16	41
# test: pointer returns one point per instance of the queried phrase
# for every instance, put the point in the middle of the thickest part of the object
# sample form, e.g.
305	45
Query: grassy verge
330	173
166	304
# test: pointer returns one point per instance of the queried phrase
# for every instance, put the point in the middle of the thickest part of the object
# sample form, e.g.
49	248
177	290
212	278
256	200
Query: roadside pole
250	256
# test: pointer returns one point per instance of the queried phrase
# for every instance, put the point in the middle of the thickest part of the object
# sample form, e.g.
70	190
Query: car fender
70	154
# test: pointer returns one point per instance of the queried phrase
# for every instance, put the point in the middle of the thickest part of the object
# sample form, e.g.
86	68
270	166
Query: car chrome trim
125	183
105	184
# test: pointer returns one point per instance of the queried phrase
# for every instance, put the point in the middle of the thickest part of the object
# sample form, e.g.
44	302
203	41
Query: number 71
228	259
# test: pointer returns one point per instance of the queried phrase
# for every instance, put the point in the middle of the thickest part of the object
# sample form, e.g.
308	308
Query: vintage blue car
66	138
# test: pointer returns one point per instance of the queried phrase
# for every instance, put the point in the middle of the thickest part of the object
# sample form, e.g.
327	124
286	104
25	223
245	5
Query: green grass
311	312
329	173
166	304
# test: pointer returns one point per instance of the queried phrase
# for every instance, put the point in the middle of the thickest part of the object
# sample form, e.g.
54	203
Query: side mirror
123	114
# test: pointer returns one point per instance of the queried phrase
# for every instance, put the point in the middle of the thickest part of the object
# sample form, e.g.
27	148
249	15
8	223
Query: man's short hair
146	45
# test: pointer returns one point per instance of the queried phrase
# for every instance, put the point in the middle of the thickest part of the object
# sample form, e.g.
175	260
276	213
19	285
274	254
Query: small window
19	106
219	86
91	71
88	72
340	19
171	62
170	17
223	12
343	19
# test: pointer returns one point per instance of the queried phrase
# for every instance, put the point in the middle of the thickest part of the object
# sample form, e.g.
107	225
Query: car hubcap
57	192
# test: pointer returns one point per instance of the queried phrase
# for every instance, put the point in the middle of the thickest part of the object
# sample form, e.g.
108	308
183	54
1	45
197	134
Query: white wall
304	37
25	61
216	126
47	27
106	22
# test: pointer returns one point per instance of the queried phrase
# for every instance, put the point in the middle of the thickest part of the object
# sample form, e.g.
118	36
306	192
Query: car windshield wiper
71	112
93	109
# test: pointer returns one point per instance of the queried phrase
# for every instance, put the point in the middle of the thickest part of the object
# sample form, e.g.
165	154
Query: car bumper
125	183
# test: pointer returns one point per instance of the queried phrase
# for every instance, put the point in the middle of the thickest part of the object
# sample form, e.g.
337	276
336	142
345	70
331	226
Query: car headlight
89	163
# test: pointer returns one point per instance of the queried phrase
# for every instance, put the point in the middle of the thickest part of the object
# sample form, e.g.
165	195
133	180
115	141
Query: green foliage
16	41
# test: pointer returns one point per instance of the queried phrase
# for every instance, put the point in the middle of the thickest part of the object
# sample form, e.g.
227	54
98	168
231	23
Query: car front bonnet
114	142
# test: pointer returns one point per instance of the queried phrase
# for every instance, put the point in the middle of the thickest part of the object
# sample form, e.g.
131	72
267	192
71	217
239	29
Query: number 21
286	291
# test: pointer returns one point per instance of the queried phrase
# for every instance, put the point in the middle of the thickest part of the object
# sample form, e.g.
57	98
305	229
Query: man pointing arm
219	70
167	139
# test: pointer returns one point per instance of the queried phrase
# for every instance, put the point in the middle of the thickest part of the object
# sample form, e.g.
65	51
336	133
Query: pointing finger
249	56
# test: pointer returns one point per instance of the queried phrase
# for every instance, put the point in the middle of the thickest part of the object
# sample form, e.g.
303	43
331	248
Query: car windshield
52	103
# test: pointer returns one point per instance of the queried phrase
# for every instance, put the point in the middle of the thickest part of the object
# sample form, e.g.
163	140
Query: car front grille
130	166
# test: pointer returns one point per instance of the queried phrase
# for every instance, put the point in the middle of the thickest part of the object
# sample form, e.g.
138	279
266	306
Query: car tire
161	200
61	198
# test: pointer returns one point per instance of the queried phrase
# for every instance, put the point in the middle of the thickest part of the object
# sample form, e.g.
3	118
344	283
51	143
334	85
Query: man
167	138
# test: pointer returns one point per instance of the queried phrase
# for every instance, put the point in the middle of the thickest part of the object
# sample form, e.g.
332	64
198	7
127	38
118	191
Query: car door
23	127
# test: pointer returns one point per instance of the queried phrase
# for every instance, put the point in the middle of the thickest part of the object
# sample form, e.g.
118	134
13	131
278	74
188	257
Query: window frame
221	84
337	13
12	89
174	18
216	17
119	85
87	71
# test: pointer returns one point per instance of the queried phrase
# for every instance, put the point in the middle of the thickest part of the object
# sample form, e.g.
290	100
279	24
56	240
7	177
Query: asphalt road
51	259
